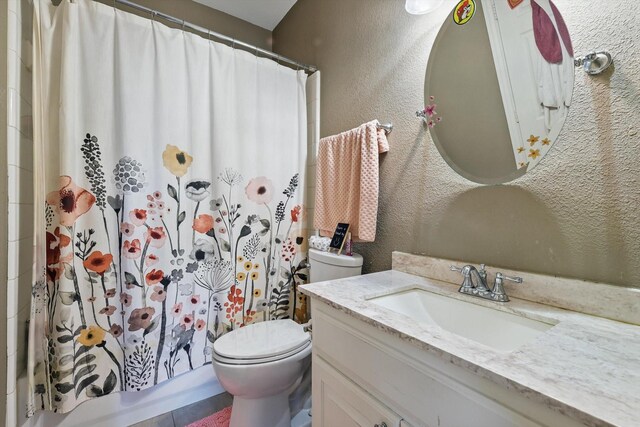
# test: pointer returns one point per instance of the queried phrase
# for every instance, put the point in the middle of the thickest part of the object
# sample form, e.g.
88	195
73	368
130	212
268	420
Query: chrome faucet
475	283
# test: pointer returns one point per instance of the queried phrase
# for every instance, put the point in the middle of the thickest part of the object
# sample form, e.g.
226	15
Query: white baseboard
126	408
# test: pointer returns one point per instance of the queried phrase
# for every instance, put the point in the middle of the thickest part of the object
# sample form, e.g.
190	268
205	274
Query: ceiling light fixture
419	7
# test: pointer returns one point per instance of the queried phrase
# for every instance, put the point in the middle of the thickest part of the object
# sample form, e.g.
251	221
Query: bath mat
219	419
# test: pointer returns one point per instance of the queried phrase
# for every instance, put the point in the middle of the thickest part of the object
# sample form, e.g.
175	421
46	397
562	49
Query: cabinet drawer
337	401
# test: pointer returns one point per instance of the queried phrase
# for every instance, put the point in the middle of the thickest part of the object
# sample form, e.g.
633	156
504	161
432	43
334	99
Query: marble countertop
585	367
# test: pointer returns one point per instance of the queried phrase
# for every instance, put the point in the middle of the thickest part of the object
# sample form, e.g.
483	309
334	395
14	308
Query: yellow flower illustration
91	336
241	276
534	154
240	258
521	164
255	275
546	141
257	293
176	160
533	139
520	149
248	265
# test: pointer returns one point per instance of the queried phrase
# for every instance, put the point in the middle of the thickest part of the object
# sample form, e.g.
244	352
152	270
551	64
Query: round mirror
498	86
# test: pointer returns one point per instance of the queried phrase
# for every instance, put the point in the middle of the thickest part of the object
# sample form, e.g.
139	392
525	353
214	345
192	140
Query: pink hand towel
347	181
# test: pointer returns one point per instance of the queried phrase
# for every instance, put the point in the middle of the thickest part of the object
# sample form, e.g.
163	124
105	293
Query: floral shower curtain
168	200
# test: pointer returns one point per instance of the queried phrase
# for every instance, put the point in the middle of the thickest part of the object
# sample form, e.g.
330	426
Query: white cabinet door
337	401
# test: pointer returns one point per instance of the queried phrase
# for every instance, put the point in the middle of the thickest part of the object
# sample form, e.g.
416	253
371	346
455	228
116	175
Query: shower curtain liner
169	178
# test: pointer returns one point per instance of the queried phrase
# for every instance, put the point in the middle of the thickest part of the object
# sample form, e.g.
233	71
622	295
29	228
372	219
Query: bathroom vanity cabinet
345	403
363	376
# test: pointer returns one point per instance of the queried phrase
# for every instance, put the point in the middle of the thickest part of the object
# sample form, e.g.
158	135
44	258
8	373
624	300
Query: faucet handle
467	283
455	268
515	279
497	293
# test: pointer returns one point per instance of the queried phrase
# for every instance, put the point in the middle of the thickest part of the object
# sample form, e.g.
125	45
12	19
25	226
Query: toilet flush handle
307	326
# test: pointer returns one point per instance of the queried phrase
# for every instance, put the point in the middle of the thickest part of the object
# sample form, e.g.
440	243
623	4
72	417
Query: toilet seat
261	343
231	361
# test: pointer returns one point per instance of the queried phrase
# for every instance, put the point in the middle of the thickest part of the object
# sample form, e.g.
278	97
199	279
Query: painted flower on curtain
70	201
144	272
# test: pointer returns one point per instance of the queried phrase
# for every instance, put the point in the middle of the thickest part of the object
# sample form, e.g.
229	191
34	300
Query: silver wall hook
594	63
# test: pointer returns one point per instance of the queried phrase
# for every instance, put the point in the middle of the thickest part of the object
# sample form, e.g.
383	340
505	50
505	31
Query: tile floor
188	414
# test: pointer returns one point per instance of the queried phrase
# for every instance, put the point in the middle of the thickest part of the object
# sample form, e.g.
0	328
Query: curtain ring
209	34
153	16
233	44
183	24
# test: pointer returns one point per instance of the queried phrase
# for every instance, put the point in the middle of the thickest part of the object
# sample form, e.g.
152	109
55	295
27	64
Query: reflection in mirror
498	86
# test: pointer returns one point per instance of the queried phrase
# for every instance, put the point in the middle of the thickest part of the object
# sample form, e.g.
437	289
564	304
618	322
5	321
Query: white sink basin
499	330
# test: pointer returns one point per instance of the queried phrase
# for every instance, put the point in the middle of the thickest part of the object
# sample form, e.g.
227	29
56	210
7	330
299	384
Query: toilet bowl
263	363
260	365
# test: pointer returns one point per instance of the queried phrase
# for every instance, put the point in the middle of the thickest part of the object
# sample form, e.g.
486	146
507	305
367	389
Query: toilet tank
330	266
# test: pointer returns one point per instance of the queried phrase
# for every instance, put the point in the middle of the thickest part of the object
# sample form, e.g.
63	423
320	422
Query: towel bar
388	127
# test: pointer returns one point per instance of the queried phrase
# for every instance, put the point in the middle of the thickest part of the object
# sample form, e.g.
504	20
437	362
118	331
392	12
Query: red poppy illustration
176	310
98	262
132	249
203	223
296	213
141	318
127	229
187	320
155	236
158	294
138	216
154	276
70	201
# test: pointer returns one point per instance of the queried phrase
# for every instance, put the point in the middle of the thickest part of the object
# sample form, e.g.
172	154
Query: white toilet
261	364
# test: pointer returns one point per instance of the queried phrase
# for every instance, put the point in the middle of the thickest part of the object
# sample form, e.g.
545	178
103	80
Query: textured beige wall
577	214
206	17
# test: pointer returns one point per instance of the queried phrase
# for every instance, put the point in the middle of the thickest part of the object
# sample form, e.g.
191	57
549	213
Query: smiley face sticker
464	11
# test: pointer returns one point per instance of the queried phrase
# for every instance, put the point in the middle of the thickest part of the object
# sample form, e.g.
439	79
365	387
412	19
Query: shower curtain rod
279	58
